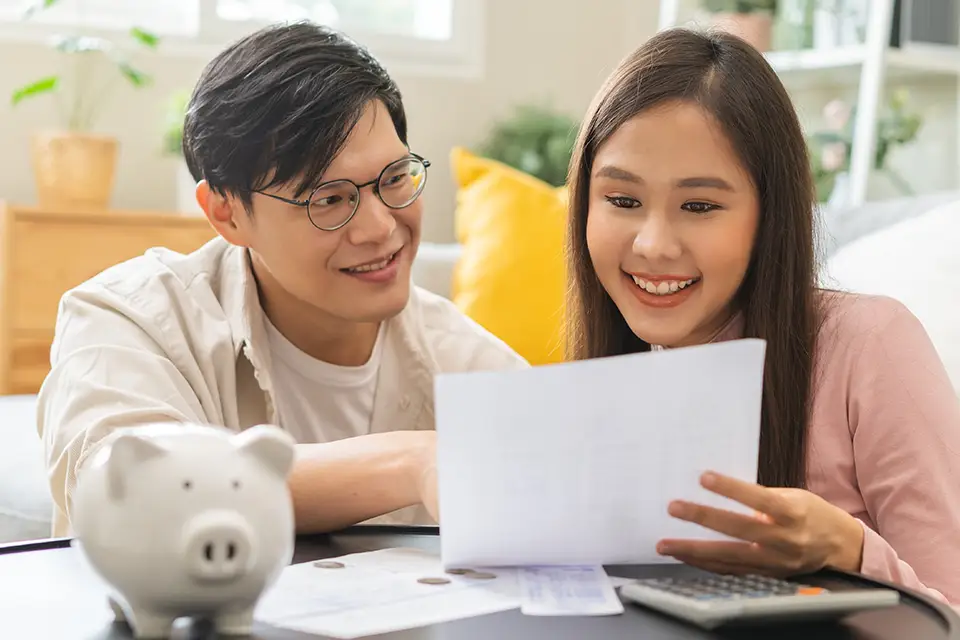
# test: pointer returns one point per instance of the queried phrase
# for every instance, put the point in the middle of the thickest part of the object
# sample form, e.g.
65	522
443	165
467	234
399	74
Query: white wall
557	50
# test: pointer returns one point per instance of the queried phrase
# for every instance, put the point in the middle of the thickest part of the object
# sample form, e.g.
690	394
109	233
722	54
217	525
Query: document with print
575	463
568	591
377	592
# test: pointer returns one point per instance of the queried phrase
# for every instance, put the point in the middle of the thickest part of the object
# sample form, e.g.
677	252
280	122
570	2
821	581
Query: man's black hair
278	105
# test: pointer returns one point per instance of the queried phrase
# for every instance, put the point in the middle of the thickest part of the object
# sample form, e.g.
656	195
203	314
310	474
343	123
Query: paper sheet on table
377	592
576	463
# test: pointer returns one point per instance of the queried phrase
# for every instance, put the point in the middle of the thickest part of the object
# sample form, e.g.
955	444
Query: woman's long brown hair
733	82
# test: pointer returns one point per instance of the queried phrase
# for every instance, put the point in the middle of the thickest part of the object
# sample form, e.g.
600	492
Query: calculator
715	600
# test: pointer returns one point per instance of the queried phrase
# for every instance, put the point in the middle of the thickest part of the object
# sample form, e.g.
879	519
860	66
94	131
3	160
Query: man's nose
374	221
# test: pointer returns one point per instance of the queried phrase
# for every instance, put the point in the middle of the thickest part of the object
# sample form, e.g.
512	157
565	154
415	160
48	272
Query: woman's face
671	222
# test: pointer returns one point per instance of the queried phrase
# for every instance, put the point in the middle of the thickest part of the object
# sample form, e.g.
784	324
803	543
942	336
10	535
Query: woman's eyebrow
617	173
705	181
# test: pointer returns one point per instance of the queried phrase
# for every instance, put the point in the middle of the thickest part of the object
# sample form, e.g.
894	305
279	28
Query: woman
692	222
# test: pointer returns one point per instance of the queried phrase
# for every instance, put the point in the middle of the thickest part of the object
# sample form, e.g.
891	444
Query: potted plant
534	139
186	186
73	165
752	20
830	148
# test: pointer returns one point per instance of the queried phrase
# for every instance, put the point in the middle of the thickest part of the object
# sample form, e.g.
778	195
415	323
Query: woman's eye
699	207
623	202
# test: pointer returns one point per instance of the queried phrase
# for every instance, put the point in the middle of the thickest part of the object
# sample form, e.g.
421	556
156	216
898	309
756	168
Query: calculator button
810	591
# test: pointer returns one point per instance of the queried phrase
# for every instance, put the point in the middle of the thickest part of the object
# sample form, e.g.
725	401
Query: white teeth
372	267
665	287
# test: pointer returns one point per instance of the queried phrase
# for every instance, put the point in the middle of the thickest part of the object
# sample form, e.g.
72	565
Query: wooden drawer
49	257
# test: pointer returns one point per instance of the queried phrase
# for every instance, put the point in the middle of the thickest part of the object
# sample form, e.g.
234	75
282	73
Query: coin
433	581
480	575
328	564
459	572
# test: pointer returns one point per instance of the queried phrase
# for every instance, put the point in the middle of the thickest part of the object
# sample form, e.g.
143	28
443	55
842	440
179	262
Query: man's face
359	273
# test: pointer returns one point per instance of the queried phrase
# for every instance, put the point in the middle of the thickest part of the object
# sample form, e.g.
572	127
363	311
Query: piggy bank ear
268	444
126	452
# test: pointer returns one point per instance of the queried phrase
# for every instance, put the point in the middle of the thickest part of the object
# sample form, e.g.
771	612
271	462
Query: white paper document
575	463
379	592
568	591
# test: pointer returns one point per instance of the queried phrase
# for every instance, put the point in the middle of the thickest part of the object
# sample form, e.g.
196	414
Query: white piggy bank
187	520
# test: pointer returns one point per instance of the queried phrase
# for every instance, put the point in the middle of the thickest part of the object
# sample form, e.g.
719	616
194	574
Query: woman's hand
791	532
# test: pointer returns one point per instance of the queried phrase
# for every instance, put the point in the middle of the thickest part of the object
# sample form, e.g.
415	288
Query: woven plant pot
74	171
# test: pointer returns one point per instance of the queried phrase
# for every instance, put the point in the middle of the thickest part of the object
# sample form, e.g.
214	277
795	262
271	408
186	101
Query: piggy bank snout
219	546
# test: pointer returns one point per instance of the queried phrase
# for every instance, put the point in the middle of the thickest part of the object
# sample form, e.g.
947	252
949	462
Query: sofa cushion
511	276
915	261
25	502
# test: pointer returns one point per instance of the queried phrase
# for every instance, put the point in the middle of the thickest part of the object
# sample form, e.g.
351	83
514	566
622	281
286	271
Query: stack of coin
472	574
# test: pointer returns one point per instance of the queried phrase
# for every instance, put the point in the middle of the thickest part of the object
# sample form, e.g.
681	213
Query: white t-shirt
317	401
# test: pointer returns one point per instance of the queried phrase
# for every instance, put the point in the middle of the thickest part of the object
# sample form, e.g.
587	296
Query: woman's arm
905	419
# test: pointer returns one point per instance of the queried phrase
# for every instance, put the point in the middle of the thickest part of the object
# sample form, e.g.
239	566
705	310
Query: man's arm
341	483
111	368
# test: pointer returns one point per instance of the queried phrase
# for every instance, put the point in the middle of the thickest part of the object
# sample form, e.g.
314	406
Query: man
301	313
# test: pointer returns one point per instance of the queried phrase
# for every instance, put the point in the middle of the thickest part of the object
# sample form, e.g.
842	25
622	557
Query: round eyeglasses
333	204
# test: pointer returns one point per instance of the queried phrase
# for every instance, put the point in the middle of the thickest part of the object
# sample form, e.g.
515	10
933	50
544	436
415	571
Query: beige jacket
167	336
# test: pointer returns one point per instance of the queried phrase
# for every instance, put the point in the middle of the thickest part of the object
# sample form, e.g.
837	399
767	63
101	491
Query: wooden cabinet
44	253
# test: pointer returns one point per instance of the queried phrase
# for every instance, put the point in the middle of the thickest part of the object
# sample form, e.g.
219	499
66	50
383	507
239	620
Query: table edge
949	616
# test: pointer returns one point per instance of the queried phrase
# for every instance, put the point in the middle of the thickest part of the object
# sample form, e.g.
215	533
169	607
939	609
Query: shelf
841	65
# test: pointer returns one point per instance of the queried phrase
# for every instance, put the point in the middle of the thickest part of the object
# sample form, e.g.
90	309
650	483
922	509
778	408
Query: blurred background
464	66
461	64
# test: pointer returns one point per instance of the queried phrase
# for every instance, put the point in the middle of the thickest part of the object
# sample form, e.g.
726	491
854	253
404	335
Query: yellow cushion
511	277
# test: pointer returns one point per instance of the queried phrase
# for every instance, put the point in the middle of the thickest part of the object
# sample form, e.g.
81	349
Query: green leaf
38	6
827	137
535	139
41	86
174	114
136	77
145	38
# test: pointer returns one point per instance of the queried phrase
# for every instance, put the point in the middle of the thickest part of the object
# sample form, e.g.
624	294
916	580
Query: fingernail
675	509
663	548
708	479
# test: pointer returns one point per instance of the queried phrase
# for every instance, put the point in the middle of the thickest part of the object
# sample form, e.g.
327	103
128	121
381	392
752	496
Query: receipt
567	591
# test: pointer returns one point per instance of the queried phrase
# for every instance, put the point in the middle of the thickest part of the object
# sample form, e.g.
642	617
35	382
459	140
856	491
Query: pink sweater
884	442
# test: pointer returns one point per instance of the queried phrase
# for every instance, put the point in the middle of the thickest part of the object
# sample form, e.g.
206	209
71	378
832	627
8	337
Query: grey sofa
25	504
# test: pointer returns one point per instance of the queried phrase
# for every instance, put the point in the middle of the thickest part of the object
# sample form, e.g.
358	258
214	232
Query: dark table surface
46	592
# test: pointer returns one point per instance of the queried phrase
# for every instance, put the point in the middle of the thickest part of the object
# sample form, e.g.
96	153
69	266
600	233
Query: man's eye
326	202
699	207
623	202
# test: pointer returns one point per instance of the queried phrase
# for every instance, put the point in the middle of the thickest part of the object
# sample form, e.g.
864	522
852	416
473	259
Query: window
166	18
426	19
426	34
